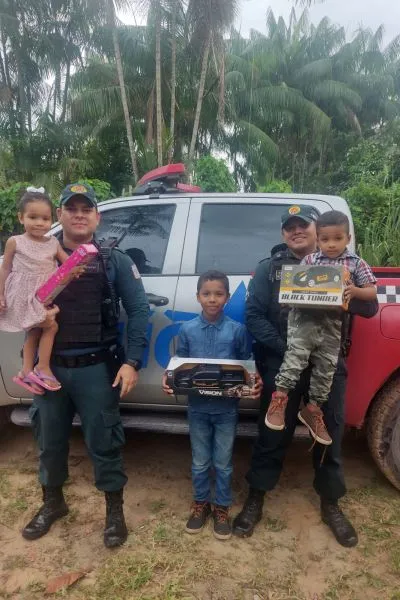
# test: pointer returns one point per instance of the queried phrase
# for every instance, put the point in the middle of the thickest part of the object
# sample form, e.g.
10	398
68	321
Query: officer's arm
134	300
258	300
363	308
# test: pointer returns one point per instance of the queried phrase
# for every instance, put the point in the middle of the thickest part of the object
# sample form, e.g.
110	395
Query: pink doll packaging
57	282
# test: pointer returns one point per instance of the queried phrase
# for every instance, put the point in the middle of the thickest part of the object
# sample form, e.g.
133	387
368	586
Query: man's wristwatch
136	364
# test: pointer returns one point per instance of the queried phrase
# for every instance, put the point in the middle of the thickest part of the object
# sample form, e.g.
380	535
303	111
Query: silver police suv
174	233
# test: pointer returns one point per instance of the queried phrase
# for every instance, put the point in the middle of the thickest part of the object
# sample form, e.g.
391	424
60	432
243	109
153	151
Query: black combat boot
339	524
250	515
54	507
115	532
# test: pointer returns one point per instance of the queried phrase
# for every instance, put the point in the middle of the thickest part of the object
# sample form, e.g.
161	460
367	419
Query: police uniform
267	321
86	358
85	362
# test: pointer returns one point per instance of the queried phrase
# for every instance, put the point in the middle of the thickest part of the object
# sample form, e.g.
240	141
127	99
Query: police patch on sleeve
135	271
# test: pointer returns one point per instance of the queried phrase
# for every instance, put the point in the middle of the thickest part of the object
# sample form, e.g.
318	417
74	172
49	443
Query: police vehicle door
152	233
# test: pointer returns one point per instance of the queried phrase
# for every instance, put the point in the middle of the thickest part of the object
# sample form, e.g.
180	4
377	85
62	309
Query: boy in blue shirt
212	421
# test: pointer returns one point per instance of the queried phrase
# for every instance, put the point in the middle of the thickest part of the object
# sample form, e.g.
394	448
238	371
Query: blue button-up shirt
223	338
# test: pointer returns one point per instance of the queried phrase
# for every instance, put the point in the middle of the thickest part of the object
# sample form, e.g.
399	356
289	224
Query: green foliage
276	186
213	175
376	159
102	188
368	203
381	244
9	198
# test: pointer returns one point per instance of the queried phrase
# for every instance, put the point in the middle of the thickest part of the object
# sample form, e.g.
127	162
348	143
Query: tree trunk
65	94
121	82
204	66
2	70
21	93
29	101
57	80
149	139
5	59
173	83
158	85
221	99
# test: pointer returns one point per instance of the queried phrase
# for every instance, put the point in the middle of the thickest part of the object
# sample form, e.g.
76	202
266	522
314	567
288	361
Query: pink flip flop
29	385
40	378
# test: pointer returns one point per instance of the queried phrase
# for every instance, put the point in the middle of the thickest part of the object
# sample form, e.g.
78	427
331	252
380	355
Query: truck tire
383	431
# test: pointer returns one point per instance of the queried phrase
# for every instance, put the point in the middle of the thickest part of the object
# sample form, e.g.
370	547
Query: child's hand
258	386
165	387
3	304
349	292
76	272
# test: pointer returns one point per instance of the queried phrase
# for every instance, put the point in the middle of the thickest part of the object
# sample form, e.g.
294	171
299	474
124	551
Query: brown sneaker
314	421
275	417
222	524
198	517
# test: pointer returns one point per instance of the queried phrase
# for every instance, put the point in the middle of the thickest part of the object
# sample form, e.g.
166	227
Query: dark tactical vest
276	313
88	308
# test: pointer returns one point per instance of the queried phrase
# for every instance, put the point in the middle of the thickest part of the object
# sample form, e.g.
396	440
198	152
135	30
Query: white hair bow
40	190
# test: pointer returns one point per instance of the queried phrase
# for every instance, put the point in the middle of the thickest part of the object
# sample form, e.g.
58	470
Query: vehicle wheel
311	283
383	431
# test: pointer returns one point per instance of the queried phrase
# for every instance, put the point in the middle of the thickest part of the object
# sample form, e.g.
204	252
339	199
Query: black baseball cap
78	189
306	213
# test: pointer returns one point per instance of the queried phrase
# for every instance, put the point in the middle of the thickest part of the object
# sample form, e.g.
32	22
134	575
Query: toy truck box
319	286
211	377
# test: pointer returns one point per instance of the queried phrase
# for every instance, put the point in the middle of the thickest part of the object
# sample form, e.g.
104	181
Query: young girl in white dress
29	260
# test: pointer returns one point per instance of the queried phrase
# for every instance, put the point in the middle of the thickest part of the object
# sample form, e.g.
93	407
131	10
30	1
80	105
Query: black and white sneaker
200	512
222	523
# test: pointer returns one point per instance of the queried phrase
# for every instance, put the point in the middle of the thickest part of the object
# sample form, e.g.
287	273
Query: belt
82	360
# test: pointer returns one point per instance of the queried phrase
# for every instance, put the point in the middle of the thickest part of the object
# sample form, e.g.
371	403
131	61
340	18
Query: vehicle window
141	231
233	238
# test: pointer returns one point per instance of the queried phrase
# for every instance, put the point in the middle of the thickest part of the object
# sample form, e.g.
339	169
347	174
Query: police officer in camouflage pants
266	320
87	362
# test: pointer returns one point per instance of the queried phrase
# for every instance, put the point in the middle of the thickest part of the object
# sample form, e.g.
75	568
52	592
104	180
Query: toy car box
57	282
211	377
312	285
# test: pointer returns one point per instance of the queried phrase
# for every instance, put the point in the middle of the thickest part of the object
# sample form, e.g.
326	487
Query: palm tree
111	22
174	10
157	7
208	18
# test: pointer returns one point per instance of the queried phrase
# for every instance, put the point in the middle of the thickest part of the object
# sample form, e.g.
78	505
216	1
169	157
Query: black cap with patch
78	189
306	213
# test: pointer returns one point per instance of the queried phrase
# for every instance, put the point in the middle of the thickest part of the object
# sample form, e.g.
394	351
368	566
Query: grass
11	563
274	525
5	486
161	562
157	506
121	576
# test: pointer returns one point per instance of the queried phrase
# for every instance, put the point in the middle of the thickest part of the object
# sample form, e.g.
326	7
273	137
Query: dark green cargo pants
86	391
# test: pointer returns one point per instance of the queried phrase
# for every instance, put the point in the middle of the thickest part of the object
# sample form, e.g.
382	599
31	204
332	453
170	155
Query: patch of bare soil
291	556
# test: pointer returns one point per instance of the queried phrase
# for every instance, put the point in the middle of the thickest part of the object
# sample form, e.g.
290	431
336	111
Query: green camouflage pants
313	337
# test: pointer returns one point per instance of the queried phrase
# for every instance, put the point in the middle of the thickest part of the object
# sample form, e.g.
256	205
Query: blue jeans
212	436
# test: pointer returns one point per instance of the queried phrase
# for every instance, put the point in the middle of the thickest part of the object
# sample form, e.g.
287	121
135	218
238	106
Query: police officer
87	362
266	320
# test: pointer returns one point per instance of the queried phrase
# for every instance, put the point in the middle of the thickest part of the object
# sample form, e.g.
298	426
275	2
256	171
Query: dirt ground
292	555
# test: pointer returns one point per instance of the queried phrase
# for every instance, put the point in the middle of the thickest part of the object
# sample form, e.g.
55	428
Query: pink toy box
57	282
